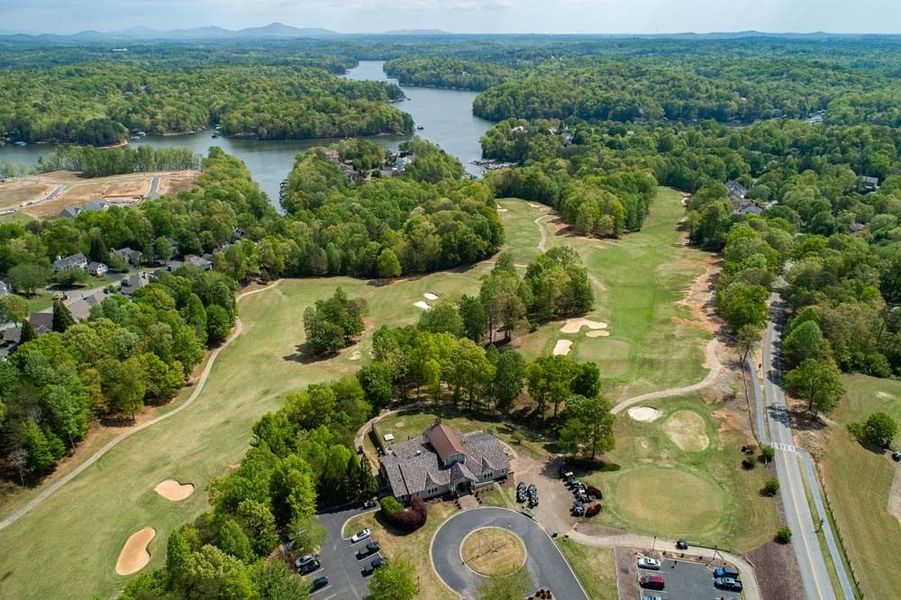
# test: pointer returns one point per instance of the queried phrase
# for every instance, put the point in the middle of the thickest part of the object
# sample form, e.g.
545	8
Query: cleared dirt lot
44	196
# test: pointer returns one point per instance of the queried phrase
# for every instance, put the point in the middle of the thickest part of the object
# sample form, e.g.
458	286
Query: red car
652	582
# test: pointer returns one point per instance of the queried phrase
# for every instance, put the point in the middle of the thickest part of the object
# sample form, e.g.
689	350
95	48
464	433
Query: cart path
199	386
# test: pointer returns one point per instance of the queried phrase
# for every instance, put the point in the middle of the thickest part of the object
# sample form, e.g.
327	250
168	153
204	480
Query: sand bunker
173	490
423	305
687	430
534	205
499	209
562	347
576	325
600	333
355	355
884	395
134	555
646	414
430	296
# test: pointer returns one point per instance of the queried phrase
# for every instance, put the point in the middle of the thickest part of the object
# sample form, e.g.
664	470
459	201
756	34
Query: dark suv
371	548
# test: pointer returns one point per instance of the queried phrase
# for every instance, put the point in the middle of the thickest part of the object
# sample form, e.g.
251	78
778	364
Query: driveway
339	560
544	562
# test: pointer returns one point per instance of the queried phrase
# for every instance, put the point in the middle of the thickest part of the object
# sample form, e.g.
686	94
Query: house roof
41	321
70	261
444	440
414	466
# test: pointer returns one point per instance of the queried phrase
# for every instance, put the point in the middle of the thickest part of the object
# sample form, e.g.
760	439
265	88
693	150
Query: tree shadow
805	421
304	355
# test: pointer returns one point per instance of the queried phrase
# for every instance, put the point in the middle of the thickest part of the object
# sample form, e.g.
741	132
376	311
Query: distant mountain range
275	31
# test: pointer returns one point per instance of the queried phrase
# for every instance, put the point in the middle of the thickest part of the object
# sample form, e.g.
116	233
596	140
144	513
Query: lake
445	116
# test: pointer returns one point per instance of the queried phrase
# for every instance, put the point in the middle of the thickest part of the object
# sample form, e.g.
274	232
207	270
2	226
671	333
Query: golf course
75	537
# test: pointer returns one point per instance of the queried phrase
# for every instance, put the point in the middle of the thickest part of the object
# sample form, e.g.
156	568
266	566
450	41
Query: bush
879	430
406	519
748	464
784	535
593	492
518	437
593	510
767	454
771	487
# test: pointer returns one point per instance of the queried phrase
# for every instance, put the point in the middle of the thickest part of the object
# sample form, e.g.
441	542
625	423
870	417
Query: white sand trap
576	325
598	333
645	414
430	296
687	430
562	347
534	205
173	490
499	209
134	555
884	395
355	355
423	305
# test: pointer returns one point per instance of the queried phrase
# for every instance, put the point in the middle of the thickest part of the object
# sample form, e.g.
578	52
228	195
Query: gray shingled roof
414	466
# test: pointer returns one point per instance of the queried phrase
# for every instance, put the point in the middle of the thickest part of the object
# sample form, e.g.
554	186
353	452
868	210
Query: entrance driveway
339	560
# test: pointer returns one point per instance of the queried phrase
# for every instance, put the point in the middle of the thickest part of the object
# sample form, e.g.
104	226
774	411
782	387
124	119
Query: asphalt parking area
339	560
685	580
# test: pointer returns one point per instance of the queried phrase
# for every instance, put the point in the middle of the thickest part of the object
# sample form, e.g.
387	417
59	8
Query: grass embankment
92	516
595	568
700	494
414	547
859	485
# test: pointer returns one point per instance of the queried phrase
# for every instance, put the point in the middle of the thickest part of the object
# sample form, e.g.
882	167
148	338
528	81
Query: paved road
154	192
547	566
339	560
763	434
808	551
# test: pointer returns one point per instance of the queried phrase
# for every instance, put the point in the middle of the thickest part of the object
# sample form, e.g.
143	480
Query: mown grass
68	546
704	496
595	568
859	481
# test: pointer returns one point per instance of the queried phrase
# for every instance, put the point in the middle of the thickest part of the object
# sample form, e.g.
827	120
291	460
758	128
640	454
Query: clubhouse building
444	462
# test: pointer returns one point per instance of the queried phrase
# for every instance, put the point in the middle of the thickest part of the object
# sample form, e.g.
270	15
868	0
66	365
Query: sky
462	16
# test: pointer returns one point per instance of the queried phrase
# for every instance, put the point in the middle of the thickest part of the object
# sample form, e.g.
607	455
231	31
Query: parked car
652	582
896	456
307	564
577	510
371	548
319	583
728	583
653	598
567	475
370	502
725	572
681	544
646	562
360	536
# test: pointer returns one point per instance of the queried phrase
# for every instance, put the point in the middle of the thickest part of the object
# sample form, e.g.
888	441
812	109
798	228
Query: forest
97	103
89	161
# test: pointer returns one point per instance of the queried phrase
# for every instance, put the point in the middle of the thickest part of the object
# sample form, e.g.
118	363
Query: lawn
92	516
493	551
414	547
595	568
700	493
638	282
858	483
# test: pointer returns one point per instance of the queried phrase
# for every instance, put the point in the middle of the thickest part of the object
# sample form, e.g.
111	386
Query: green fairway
859	482
702	494
74	537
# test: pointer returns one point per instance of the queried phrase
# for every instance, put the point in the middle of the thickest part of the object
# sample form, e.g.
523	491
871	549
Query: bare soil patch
699	299
576	325
173	490
562	347
777	572
14	193
134	555
687	430
645	414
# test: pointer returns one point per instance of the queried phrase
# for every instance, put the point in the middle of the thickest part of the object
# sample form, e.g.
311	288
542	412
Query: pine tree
62	317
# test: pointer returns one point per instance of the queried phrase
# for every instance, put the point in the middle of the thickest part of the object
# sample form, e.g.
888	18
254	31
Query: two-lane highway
808	552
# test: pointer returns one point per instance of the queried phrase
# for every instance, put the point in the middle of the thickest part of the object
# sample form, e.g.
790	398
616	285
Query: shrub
771	487
784	535
593	510
879	430
406	519
593	492
767	454
518	437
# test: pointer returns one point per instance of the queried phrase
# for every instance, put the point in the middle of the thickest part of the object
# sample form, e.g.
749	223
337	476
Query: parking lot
339	560
685	580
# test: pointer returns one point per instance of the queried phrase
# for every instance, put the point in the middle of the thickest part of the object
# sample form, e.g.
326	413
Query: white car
360	536
646	562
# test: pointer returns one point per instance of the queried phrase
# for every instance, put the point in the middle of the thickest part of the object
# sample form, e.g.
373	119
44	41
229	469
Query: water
445	115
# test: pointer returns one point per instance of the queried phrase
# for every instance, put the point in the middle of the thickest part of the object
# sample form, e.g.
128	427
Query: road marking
785	447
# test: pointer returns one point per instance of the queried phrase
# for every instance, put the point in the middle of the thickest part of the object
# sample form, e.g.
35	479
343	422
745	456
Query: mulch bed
777	571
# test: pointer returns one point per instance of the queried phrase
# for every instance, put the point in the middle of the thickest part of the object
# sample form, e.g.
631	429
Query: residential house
81	307
133	283
97	268
70	263
868	184
42	322
750	209
737	191
4	289
132	257
199	261
444	462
